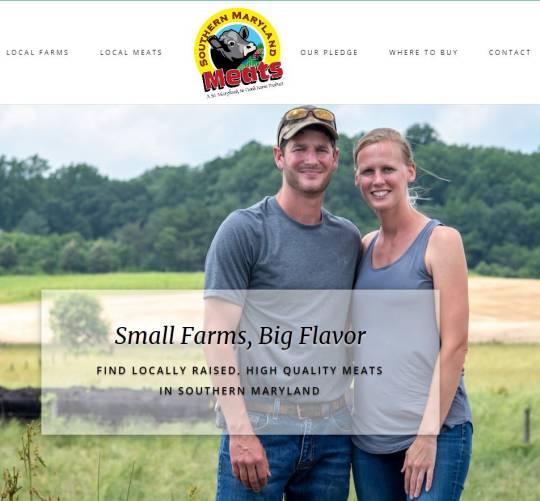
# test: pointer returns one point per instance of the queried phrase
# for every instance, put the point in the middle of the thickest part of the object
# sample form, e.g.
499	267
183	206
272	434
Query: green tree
166	249
77	220
33	223
532	266
103	257
73	257
421	135
509	255
8	256
76	323
22	187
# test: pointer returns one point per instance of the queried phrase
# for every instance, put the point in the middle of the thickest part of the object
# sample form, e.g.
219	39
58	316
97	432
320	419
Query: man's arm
248	458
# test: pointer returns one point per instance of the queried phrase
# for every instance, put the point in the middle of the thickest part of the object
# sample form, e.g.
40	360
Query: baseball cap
296	119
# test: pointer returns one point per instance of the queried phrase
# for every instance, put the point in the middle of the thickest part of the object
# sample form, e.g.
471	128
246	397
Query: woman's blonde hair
384	134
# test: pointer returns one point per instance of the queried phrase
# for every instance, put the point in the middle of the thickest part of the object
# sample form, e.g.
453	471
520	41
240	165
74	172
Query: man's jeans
377	477
305	464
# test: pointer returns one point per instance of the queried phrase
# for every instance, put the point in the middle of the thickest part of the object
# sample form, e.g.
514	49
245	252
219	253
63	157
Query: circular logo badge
235	47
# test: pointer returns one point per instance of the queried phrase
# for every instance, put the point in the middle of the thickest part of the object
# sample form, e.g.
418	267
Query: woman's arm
445	260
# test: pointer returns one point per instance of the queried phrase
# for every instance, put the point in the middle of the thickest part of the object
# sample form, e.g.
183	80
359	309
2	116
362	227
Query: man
286	243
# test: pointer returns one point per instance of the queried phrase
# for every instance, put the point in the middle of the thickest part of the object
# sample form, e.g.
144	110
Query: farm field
501	380
502	309
502	376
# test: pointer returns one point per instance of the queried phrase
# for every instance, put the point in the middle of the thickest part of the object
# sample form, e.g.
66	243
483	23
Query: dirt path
502	309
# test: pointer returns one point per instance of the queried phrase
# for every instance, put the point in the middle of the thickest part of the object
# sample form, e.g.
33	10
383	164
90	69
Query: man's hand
419	461
249	462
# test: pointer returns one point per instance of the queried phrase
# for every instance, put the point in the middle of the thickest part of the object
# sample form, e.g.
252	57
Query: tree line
75	219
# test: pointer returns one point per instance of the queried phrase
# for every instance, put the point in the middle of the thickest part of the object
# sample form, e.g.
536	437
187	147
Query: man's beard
293	180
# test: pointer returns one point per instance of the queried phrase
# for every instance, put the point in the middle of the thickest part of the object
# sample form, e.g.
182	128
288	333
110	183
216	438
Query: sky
123	141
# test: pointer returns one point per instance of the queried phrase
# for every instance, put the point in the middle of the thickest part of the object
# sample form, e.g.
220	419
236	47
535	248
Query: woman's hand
419	462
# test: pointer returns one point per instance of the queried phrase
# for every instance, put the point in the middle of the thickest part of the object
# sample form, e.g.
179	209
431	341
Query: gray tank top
407	272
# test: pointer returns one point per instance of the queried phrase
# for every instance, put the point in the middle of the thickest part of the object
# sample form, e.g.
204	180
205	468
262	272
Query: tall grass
134	468
502	380
30	456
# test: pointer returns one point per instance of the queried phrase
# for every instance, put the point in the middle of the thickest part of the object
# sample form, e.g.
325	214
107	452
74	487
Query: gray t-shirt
261	248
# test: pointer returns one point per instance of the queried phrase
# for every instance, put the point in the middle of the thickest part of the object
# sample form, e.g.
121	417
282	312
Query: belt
301	411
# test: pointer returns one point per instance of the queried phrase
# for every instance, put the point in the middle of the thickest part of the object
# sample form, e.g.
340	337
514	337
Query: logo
237	47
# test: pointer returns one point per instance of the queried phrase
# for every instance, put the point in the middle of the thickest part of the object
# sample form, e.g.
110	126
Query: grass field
501	379
16	289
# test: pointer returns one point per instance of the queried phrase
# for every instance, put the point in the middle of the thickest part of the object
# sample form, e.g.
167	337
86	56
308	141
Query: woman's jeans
377	477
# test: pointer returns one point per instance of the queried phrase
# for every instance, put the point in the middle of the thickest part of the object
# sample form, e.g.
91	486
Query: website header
269	52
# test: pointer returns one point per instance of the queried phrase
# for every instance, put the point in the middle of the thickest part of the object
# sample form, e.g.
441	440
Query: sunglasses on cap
293	119
302	112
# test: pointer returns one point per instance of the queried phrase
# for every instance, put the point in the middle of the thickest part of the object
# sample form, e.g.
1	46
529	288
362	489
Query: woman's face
382	175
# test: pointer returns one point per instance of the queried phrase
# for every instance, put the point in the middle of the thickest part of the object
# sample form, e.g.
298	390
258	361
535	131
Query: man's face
307	161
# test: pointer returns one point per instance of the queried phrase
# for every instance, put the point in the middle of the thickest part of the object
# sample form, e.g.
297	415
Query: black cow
231	49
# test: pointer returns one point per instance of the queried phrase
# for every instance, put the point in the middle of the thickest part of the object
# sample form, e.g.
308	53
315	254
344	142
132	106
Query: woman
411	251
